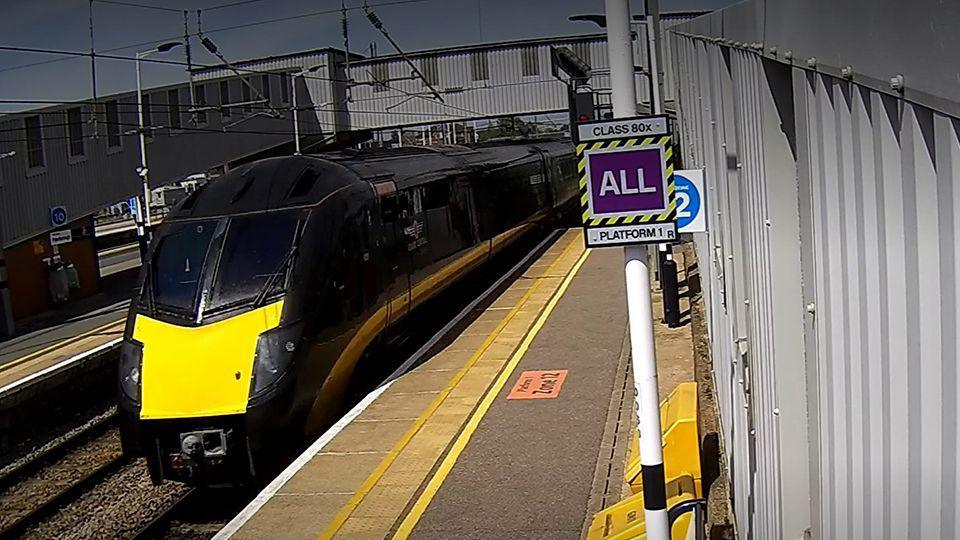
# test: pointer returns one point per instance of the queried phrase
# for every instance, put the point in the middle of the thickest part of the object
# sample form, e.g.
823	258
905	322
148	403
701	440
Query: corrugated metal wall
883	177
105	175
316	88
754	329
831	270
506	91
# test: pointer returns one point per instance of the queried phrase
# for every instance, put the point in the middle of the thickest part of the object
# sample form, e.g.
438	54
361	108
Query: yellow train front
263	289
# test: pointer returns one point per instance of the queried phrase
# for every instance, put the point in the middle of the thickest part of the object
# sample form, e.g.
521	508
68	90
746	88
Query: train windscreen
177	269
254	259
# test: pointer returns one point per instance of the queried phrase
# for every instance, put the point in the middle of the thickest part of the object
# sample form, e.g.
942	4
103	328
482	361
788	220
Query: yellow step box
624	520
681	463
681	443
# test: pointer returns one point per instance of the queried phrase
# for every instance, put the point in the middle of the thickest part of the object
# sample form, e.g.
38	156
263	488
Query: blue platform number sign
132	205
58	216
691	216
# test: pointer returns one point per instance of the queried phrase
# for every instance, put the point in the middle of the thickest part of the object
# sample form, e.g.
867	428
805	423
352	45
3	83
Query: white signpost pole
639	307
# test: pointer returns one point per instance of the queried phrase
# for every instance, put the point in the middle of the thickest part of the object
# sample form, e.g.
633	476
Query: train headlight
131	362
275	351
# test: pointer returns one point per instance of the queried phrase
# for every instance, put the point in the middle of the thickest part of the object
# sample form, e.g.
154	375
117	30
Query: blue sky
418	24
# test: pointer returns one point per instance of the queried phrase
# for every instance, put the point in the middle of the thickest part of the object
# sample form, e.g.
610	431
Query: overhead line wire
216	110
136	5
149	60
230	4
215	30
312	14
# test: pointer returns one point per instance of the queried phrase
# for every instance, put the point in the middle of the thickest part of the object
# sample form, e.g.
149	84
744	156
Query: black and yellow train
263	289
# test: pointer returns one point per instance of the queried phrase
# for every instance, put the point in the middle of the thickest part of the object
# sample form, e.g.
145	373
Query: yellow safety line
69	341
416	512
344	514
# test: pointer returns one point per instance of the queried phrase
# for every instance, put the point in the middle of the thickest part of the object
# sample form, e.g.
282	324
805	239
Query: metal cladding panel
707	117
743	21
641	58
885	178
831	268
315	88
290	63
878	38
505	91
104	175
79	184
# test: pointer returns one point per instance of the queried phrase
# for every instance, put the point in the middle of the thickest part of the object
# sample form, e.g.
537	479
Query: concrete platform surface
29	354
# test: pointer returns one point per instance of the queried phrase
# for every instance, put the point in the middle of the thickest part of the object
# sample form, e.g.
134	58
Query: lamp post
143	213
295	115
637	274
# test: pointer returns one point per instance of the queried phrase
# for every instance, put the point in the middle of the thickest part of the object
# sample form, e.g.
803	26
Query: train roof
291	181
417	164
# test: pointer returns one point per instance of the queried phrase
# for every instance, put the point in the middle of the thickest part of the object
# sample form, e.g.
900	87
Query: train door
416	234
395	271
369	272
448	225
548	168
464	212
483	188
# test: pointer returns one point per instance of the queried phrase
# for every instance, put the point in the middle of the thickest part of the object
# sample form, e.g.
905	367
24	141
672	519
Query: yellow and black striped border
650	142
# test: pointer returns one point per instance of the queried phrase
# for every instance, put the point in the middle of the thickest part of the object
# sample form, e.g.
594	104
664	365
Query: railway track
158	526
13	472
79	484
49	505
84	473
37	490
198	514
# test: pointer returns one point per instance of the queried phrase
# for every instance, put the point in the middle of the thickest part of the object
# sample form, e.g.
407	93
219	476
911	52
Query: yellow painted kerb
200	371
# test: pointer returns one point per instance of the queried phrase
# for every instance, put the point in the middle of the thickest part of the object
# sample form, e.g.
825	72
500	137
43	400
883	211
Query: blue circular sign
58	216
688	200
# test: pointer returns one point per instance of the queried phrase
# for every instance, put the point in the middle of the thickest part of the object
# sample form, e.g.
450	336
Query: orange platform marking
538	384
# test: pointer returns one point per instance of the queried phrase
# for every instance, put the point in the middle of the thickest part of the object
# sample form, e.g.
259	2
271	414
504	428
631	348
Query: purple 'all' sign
626	182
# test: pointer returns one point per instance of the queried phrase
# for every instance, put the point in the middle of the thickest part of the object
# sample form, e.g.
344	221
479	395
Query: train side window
390	208
417	201
437	195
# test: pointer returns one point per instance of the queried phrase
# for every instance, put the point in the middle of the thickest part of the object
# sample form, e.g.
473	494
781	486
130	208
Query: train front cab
207	340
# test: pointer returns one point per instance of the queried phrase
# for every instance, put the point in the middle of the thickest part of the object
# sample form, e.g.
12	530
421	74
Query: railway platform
519	428
37	354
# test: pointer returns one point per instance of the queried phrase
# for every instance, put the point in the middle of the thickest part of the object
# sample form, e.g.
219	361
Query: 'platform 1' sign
626	181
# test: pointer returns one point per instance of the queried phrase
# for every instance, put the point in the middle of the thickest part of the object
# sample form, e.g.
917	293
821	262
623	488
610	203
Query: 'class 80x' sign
626	181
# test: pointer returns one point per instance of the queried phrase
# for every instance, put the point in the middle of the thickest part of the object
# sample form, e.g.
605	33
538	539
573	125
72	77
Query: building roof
488	46
275	57
677	15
